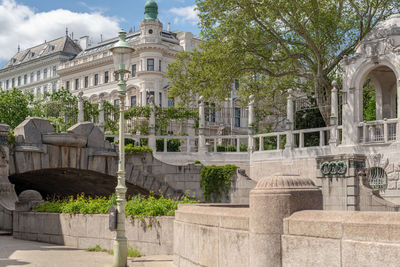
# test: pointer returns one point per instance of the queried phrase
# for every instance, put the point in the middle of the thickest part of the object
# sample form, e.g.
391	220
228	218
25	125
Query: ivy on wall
216	181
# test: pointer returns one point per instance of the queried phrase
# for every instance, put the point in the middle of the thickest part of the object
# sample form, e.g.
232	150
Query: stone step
2	232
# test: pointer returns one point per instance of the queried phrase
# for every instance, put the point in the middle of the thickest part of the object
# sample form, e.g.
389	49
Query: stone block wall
211	235
341	238
87	231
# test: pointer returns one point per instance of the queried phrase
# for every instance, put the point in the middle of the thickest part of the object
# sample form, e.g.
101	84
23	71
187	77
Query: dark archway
70	182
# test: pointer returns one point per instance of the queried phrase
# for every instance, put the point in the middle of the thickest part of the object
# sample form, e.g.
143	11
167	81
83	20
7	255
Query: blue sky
31	22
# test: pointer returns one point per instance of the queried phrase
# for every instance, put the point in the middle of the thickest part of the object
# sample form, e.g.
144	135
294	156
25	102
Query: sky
31	22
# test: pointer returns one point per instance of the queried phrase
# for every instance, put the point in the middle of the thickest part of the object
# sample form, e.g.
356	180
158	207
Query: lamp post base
120	252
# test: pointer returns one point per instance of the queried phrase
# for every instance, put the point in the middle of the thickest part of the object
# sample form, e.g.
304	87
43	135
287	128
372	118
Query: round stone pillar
273	199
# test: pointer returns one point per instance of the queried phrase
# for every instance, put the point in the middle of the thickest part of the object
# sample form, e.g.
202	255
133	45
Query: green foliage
216	181
13	107
132	149
11	138
138	206
197	162
173	145
97	248
111	114
271	46
132	252
369	101
231	148
137	112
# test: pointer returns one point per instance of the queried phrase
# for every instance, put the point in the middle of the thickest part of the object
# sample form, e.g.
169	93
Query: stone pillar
333	140
398	112
289	120
81	114
202	123
152	124
251	124
273	199
102	120
7	192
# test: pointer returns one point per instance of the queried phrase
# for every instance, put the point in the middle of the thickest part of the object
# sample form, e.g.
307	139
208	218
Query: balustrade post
238	144
301	139
322	138
81	113
365	133
188	144
152	125
278	142
333	139
289	120
202	122
215	144
165	145
385	131
261	148
251	124
372	134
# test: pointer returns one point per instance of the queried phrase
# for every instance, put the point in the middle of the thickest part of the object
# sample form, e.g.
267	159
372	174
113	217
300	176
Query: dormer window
14	60
32	54
150	31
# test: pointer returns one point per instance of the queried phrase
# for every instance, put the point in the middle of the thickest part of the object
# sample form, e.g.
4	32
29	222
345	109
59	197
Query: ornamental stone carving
3	158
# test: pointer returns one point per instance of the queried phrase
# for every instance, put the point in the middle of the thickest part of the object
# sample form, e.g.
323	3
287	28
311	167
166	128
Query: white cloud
20	24
185	14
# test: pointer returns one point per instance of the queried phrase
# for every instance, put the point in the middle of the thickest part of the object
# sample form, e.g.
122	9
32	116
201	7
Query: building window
77	84
7	84
45	74
38	75
1	84
53	86
237	117
19	80
160	98
133	101
159	65
134	70
32	76
38	91
117	76
45	90
67	85
171	102
106	77
12	83
150	64
236	84
96	79
25	78
210	112
86	81
148	94
116	103
54	71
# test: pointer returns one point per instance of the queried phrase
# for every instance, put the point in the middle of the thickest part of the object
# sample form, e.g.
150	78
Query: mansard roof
63	44
130	37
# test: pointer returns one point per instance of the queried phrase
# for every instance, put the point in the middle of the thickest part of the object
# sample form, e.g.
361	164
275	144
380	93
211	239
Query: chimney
84	42
169	26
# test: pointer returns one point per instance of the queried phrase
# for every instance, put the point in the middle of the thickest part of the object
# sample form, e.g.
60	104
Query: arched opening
70	182
378	100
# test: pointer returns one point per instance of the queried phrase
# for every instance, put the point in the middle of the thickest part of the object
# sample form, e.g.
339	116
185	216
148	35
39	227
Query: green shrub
131	149
11	138
138	206
216	181
224	148
173	145
197	162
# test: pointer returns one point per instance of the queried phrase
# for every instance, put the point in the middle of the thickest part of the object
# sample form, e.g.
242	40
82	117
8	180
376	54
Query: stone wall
340	238
211	235
87	231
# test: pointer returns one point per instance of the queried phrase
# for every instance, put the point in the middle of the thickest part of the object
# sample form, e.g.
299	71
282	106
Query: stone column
202	123
101	114
334	115
81	114
152	124
398	112
273	199
7	192
289	120
251	124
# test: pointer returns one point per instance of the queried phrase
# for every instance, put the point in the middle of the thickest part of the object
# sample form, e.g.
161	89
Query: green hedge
138	206
216	181
173	145
132	149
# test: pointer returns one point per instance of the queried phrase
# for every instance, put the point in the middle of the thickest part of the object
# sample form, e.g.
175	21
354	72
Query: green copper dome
150	10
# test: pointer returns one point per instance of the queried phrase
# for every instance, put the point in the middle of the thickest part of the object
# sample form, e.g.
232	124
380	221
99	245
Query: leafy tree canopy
271	46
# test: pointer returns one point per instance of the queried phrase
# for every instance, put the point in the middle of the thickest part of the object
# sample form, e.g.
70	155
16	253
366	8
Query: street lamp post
121	55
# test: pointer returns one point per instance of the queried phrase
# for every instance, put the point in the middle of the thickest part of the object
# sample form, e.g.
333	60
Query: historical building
35	68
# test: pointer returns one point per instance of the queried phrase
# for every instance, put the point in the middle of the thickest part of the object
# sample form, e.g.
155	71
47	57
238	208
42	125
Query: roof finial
66	31
19	48
169	26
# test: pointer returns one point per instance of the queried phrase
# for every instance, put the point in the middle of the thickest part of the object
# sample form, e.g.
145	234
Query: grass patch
132	252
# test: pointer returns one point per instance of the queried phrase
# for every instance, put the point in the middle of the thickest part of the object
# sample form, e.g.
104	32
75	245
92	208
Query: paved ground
15	253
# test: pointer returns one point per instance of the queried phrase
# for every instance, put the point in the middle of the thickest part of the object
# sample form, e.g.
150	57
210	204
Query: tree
13	107
271	46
